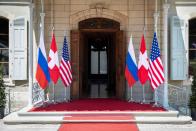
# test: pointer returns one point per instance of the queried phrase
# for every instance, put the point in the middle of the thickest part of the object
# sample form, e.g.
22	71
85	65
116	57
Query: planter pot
1	112
193	113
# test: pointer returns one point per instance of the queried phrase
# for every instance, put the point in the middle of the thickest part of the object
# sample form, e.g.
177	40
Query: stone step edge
135	113
186	120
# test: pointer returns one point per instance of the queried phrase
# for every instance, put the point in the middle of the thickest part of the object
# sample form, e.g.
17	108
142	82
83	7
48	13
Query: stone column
165	48
30	55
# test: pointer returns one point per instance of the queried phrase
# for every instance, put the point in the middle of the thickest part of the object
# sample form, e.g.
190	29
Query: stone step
14	118
171	113
164	117
135	113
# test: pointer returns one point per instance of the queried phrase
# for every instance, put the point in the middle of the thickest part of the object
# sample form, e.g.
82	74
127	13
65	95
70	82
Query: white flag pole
156	15
131	99
54	101
155	98
131	94
65	93
143	92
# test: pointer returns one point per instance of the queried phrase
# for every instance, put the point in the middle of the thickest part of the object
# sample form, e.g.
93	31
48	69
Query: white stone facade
132	15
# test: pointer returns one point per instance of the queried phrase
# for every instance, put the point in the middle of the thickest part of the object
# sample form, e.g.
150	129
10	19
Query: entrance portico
66	17
77	51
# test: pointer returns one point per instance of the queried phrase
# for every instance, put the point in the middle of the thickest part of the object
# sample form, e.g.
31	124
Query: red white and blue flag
53	61
42	73
131	65
143	63
155	74
65	66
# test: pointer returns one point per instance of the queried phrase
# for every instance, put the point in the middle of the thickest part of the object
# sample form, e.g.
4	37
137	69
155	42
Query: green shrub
192	102
2	90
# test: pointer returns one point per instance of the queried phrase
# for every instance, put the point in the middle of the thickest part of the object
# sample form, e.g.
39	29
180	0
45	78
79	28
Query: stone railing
16	98
38	94
8	101
179	98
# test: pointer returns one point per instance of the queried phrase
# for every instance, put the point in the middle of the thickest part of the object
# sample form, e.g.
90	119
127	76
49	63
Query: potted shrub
2	95
192	102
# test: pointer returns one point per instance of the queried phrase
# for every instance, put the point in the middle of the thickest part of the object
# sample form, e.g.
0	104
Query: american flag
65	67
155	73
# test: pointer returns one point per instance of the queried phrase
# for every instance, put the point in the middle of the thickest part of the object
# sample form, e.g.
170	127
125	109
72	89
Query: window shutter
18	49
178	50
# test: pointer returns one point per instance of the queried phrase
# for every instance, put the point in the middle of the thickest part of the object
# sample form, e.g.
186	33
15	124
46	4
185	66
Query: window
4	45
192	45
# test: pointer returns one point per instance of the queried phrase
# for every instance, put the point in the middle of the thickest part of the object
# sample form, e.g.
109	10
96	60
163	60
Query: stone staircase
24	117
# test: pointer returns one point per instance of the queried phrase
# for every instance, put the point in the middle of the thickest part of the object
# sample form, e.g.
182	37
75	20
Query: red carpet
98	105
99	126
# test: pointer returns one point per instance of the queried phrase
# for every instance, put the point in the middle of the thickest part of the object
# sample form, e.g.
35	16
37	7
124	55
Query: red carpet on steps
99	126
99	104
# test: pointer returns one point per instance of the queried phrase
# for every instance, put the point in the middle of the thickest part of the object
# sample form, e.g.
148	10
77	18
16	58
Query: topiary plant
2	90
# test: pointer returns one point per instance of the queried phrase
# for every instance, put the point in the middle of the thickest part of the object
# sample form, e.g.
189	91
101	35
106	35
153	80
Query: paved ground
142	127
167	127
28	127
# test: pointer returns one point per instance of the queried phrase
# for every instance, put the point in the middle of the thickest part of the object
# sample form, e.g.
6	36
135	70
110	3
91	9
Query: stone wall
64	15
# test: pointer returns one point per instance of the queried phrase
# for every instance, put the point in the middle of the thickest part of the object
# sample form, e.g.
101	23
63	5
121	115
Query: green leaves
2	90
192	102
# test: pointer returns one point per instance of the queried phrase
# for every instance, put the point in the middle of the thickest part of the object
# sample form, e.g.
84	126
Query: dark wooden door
120	54
75	49
78	64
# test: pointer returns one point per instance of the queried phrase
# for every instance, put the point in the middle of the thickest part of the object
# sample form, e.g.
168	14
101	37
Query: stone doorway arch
78	47
102	13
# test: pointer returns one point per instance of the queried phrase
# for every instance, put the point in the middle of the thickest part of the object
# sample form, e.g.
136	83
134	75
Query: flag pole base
143	102
131	100
155	105
54	102
66	100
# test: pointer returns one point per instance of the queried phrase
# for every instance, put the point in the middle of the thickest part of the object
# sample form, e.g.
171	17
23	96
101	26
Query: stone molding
93	13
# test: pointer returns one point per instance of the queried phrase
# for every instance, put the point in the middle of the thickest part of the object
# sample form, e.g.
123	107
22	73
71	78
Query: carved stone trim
99	23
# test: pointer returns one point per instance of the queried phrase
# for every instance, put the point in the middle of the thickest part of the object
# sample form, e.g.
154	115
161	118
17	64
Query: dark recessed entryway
99	72
98	51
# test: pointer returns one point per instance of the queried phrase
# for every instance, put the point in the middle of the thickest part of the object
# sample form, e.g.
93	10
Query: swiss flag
53	61
143	64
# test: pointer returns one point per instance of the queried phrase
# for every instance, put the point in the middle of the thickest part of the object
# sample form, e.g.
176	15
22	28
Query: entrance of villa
98	51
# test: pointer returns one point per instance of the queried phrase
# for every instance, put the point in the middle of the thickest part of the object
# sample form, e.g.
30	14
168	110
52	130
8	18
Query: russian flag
42	73
131	71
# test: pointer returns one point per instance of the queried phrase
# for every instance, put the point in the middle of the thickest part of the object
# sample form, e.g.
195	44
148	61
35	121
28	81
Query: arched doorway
4	46
98	59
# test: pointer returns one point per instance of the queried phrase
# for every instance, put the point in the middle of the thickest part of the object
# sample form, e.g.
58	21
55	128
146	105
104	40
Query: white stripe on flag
152	75
63	77
65	74
156	71
65	65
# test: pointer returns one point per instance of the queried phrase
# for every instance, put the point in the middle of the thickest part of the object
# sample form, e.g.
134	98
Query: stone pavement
167	127
28	127
54	127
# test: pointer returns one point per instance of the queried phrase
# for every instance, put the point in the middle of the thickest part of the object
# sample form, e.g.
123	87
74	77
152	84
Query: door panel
120	52
75	48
